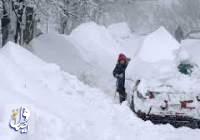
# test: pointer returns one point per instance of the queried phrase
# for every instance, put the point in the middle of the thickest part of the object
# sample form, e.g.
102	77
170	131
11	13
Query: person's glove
120	75
128	60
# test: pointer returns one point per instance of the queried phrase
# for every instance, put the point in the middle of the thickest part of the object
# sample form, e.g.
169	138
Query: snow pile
55	48
66	109
90	52
128	41
157	66
119	31
159	46
156	57
192	47
98	45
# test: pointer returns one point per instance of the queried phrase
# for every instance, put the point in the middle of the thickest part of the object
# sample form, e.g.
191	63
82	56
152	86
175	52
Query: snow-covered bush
185	68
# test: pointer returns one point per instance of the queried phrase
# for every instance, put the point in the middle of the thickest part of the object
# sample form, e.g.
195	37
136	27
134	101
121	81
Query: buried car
169	87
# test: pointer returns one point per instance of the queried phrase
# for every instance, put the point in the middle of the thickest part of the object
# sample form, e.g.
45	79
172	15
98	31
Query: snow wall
73	110
90	52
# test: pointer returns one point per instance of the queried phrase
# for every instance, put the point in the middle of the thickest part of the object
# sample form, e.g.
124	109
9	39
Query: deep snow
163	43
77	54
73	111
90	53
68	109
156	57
192	48
156	65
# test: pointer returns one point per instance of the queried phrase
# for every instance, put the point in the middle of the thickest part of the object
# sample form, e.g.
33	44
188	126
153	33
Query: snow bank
90	57
73	110
97	44
90	53
66	109
193	48
128	41
159	46
157	56
54	48
120	31
157	66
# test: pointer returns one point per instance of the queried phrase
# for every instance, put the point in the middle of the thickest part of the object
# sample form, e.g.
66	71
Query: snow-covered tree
63	16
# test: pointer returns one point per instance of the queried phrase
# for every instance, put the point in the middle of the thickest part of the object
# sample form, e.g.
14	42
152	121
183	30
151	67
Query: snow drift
120	31
90	57
66	109
98	44
157	61
192	48
58	49
128	41
159	46
157	56
90	52
157	66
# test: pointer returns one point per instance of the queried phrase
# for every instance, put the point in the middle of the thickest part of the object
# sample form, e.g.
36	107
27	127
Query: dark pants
122	94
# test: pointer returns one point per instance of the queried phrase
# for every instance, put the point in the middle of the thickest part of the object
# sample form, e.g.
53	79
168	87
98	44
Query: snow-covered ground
68	109
90	53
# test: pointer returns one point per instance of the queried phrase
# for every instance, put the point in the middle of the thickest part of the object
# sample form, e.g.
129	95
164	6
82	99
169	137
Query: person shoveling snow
119	73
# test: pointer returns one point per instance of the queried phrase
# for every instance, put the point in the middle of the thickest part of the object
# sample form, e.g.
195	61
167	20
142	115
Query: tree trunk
29	27
5	22
19	10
